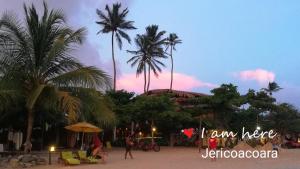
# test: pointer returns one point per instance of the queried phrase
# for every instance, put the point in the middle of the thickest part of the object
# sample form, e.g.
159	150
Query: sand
243	146
267	147
187	158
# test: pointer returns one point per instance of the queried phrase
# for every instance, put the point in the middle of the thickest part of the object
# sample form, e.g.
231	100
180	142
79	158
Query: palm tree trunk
113	58
30	118
149	75
171	84
145	78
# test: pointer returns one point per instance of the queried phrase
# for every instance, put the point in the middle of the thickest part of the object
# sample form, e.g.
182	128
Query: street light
51	149
153	129
258	128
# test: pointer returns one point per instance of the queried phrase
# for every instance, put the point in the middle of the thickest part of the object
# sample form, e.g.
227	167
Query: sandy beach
186	158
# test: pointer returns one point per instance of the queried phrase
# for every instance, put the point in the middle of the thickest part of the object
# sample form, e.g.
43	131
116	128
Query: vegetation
115	22
39	76
149	111
171	42
149	51
36	64
272	87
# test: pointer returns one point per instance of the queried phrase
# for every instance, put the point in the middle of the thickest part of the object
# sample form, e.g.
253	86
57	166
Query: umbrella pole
82	141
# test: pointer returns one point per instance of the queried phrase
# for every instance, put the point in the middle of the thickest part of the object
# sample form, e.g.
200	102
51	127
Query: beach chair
68	158
84	158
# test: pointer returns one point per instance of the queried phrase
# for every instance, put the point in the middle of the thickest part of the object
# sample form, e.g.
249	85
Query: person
275	144
128	147
212	146
199	143
10	139
98	148
90	149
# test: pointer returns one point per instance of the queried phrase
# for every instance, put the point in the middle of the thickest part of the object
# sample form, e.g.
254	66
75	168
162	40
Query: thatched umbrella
83	127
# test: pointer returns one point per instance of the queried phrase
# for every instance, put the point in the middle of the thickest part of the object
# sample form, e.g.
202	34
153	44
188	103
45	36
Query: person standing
275	144
10	139
128	146
212	146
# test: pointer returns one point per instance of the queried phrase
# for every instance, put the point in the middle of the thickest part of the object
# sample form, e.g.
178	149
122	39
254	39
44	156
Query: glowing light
258	128
153	129
52	149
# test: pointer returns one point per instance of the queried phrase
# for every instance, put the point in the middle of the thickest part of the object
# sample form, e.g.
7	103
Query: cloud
181	82
79	13
259	75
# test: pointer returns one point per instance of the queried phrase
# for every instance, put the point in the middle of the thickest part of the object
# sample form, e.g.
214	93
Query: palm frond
119	40
94	106
124	35
114	20
70	105
89	77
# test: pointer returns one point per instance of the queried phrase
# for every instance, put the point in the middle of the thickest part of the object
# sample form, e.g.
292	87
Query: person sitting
90	149
98	149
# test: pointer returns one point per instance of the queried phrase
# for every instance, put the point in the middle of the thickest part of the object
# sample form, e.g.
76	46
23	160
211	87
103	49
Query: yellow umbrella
83	127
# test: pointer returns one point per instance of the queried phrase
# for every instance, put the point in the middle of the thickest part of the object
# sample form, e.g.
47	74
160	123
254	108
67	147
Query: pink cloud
260	75
180	82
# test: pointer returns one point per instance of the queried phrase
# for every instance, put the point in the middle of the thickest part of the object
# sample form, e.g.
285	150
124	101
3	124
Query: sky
247	43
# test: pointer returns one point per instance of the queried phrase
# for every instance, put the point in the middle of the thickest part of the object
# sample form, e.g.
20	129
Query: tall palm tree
39	59
272	87
149	51
140	57
171	42
115	22
156	48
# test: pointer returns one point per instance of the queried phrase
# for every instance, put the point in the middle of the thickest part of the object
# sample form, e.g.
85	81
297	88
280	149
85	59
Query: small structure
182	98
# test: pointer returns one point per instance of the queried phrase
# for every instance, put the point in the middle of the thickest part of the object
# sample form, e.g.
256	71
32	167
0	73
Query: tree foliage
36	59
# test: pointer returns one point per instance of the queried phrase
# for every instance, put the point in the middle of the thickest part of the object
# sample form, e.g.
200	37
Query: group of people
96	148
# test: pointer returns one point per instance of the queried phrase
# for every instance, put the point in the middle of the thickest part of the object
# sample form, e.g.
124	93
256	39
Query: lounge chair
84	158
68	158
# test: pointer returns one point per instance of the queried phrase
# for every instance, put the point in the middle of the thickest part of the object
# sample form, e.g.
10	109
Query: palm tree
38	59
156	51
171	42
116	23
140	57
272	87
149	51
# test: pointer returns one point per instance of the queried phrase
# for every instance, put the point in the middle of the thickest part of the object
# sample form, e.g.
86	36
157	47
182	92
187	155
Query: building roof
178	93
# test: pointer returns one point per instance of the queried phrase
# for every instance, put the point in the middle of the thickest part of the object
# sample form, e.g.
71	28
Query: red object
96	141
212	143
188	132
292	144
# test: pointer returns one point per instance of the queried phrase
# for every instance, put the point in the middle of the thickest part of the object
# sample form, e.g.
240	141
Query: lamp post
51	149
140	136
153	130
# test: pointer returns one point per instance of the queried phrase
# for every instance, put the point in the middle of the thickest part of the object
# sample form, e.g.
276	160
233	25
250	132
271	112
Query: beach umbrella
83	127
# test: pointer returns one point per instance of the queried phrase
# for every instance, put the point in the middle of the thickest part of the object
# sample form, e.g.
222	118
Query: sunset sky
247	43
